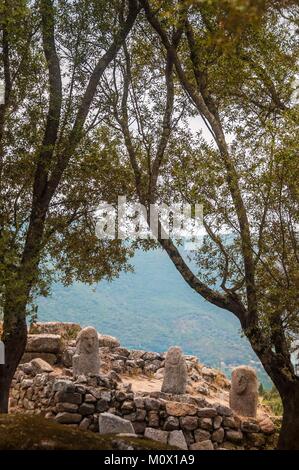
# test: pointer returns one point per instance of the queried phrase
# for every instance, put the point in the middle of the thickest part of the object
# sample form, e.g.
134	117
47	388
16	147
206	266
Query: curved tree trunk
278	365
289	433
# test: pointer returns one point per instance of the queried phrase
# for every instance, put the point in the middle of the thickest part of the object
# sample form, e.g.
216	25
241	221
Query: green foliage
271	398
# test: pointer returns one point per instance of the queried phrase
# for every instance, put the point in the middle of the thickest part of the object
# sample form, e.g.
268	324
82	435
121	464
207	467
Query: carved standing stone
86	359
244	391
175	372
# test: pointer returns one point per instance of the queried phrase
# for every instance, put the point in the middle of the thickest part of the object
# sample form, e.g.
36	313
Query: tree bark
289	433
15	342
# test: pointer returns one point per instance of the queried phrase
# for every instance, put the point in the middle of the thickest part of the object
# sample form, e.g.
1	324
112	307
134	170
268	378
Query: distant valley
152	309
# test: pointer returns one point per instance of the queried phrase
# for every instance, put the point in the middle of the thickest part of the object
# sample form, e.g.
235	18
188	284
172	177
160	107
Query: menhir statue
244	391
175	372
86	359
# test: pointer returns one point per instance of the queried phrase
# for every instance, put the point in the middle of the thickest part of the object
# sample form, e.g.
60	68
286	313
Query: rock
266	425
136	354
86	359
150	368
152	404
67	330
128	406
90	398
139	402
203	390
140	414
86	409
68	407
112	424
153	419
223	410
69	397
189	423
209	374
229	422
202	445
177	439
243	397
102	405
175	372
120	395
39	366
249	426
156	435
256	439
68	418
67	357
48	357
175	408
206	423
106	341
234	436
44	343
85	423
171	423
122	352
27	368
151	356
139	426
201	435
63	385
207	413
218	435
217	422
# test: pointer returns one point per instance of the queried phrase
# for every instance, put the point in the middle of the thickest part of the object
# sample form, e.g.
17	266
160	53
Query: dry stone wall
181	420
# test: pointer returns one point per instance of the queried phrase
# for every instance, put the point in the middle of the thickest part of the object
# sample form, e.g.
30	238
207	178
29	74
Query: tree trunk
289	433
15	342
277	363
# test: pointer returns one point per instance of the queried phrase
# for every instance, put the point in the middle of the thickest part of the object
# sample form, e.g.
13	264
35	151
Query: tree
235	63
54	55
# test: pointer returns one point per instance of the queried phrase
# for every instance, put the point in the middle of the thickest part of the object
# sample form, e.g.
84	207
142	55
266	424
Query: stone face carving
86	359
243	396
175	372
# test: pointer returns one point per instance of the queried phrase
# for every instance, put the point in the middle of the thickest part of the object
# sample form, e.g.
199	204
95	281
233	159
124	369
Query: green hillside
152	309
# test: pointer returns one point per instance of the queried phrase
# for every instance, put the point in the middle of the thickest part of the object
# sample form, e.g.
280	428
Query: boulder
48	357
189	423
156	435
106	341
177	439
234	436
171	423
266	425
67	356
175	408
112	424
207	413
202	445
201	435
39	366
44	343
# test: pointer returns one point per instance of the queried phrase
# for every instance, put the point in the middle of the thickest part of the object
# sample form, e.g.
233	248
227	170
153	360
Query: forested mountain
153	309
